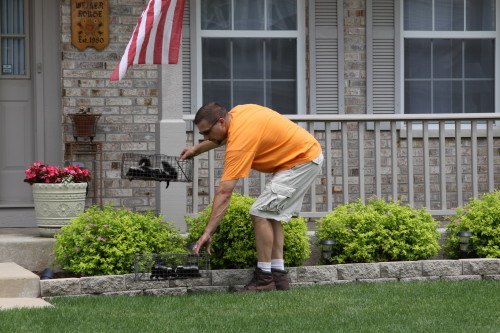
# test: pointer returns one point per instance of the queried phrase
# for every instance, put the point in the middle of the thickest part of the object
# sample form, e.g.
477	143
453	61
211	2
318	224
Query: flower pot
84	125
56	204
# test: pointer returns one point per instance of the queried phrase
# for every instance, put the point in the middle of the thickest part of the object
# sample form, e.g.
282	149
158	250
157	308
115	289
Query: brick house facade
351	52
130	107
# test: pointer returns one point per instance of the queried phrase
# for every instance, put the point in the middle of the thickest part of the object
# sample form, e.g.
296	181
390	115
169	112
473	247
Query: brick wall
129	107
355	56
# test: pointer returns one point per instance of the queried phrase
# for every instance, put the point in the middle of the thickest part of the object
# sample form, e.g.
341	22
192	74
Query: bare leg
279	240
264	238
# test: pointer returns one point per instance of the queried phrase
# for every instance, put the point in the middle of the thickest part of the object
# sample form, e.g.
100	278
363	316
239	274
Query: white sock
278	264
264	266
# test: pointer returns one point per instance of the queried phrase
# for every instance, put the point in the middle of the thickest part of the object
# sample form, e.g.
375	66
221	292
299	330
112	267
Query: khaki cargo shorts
283	195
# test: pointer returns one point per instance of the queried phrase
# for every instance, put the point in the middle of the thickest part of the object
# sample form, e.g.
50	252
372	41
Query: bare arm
219	207
198	149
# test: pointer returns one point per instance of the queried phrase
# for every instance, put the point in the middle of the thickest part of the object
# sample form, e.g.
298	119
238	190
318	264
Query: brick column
355	56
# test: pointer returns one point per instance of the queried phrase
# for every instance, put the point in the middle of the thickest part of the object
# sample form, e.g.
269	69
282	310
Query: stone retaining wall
232	279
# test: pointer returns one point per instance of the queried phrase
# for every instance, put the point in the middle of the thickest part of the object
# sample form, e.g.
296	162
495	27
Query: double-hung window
451	56
251	51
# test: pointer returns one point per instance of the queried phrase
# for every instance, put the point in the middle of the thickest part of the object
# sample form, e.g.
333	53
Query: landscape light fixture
326	250
464	242
47	274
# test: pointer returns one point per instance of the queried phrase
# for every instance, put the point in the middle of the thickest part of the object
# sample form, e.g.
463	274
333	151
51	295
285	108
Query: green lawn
382	307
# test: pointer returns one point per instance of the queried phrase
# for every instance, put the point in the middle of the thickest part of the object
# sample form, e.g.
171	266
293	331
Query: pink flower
41	173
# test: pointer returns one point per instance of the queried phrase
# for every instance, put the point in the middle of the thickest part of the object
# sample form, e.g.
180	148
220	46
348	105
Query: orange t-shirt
262	139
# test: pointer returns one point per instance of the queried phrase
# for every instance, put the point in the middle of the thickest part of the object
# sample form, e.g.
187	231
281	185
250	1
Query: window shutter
382	86
326	41
186	59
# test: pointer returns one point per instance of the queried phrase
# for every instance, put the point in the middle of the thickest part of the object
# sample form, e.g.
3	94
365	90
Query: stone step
25	247
16	281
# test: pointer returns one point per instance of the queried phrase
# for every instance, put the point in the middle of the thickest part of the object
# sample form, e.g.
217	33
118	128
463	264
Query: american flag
156	38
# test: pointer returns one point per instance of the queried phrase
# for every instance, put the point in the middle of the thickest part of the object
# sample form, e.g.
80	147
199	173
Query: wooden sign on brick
89	24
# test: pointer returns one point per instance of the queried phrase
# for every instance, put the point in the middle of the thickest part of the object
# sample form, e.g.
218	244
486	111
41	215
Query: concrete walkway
23	302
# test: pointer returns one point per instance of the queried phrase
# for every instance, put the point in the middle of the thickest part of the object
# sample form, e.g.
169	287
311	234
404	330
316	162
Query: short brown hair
211	112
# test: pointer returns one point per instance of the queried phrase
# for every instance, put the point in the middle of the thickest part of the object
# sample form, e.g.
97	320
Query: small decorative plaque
89	24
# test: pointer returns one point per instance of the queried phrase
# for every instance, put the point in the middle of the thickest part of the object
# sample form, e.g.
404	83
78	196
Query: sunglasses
207	132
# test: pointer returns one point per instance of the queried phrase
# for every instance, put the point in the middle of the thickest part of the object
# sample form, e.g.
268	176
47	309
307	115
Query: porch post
171	139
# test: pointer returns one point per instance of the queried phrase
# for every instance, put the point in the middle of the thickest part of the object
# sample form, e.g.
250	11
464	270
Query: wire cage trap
170	266
157	167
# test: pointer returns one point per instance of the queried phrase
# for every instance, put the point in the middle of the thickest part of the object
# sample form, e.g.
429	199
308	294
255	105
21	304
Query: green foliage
379	231
297	247
233	243
103	242
481	217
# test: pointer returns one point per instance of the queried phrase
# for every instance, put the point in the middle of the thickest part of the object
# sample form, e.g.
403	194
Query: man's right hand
186	153
198	149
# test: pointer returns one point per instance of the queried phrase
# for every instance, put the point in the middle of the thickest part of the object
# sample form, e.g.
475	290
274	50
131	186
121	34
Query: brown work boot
280	279
262	281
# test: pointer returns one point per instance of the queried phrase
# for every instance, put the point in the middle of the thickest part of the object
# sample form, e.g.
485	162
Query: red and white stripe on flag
156	38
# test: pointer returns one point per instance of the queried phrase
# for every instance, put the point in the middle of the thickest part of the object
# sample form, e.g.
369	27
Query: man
261	139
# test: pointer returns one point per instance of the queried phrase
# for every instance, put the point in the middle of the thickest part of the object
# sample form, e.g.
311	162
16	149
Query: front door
29	101
16	110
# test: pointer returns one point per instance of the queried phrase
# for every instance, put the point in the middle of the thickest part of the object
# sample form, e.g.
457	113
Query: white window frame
299	35
495	35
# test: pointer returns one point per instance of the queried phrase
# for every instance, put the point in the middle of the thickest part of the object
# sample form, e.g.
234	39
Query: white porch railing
438	162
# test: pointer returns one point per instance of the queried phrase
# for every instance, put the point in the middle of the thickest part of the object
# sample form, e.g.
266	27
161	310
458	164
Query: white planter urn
57	204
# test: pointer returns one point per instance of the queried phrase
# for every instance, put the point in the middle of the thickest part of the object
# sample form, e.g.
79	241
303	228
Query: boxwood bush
481	217
233	244
103	241
379	231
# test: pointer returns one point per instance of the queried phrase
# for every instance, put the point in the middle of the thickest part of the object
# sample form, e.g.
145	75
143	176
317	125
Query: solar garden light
326	250
47	274
464	242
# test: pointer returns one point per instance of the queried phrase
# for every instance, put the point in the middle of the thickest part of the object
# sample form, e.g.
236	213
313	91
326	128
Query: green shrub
233	244
103	242
379	231
481	217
